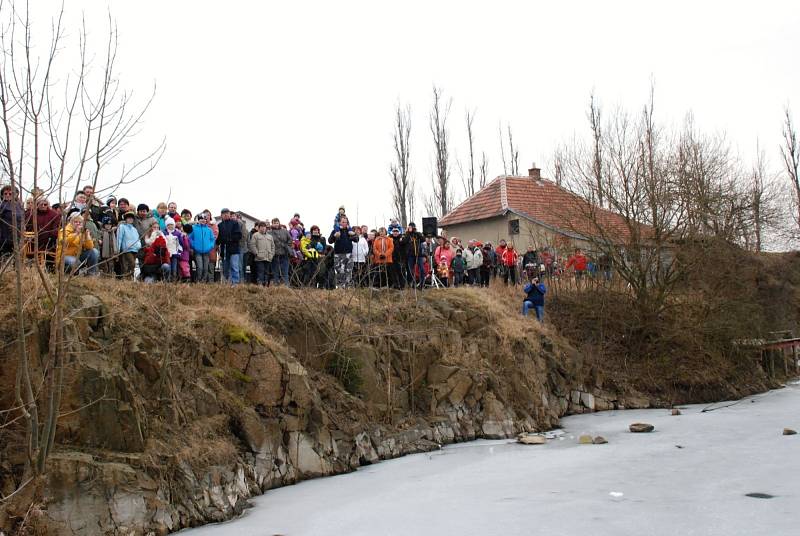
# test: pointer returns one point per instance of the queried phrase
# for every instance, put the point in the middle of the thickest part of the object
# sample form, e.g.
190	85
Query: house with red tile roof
531	210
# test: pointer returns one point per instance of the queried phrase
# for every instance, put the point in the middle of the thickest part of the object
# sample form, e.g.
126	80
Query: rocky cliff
180	403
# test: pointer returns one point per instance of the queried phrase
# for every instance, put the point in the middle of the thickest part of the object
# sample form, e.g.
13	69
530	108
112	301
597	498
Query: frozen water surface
691	476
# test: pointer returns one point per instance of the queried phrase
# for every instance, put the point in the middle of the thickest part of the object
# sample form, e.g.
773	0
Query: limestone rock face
587	400
635	402
157	437
113	415
439	373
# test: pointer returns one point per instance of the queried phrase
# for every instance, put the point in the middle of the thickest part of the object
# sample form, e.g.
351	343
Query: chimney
534	172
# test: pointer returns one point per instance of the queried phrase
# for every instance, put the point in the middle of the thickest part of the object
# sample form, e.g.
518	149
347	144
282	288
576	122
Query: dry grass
202	443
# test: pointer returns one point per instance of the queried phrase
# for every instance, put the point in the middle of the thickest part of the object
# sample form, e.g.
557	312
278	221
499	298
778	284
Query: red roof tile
484	204
541	201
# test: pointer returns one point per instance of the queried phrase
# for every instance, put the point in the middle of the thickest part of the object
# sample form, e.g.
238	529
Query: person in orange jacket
382	249
579	263
508	258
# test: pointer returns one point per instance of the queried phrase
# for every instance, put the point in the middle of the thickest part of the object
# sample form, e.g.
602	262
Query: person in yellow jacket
76	247
312	244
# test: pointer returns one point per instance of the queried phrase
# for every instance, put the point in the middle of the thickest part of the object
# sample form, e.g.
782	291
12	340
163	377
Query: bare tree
511	162
644	221
62	126
767	214
791	160
664	193
711	189
484	170
758	191
468	176
442	194
502	148
513	153
402	186
559	165
595	122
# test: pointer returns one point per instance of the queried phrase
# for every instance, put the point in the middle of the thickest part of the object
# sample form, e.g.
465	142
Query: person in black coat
398	260
343	239
8	207
413	249
530	257
228	239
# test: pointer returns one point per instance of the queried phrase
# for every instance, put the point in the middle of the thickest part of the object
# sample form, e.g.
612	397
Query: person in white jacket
474	262
173	237
360	257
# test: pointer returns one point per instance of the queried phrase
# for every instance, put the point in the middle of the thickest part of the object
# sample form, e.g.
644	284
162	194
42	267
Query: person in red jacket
48	222
156	260
508	258
579	263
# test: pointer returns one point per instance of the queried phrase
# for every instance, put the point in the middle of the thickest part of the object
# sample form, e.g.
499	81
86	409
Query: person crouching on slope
534	298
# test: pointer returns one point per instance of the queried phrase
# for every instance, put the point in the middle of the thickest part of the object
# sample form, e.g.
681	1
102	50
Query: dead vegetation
730	295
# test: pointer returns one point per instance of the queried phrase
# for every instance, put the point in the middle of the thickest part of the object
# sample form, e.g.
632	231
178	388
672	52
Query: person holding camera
75	246
534	299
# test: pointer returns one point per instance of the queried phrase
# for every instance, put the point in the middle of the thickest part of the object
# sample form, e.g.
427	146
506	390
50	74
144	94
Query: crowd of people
164	243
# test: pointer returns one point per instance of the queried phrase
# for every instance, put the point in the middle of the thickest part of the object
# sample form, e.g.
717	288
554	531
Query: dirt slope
180	403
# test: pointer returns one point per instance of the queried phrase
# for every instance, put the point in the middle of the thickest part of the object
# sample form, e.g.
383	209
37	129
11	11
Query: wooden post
794	358
785	362
771	363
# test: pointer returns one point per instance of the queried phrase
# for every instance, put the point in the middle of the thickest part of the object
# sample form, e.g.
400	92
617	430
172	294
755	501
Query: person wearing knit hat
155	264
339	215
394	224
111	207
108	245
185	262
128	245
174	240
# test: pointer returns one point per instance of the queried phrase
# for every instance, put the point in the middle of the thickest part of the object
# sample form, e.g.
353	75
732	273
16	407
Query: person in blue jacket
128	244
534	298
202	242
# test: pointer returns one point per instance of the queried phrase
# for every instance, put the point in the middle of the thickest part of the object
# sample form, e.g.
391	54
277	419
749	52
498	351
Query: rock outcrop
176	419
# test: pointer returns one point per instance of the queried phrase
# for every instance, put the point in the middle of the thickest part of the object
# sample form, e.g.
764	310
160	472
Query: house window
513	227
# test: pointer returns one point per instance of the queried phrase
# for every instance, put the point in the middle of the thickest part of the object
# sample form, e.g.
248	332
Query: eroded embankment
180	403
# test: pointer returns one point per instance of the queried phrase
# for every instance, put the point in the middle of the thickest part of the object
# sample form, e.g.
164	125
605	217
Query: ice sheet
688	477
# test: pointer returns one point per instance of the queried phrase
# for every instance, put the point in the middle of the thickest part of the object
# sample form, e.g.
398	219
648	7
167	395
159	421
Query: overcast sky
277	107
